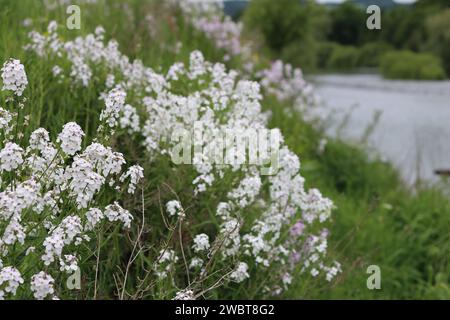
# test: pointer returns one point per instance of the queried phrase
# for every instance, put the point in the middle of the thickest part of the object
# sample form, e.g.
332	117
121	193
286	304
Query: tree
281	22
438	27
348	23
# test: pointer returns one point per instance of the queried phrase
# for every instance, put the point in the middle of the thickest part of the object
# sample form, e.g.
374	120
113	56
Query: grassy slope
377	221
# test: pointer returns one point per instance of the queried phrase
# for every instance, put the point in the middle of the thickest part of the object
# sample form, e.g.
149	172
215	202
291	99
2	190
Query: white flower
130	119
10	280
70	138
135	173
201	242
196	263
185	295
14	77
115	212
110	80
62	235
5	120
27	22
166	261
13	202
81	71
42	285
57	71
230	231
39	139
93	216
69	263
174	208
84	181
223	210
287	279
114	103
240	273
14	232
247	190
10	157
104	159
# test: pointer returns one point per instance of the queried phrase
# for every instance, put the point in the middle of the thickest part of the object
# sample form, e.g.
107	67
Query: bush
280	22
288	24
343	58
324	51
301	54
410	65
370	54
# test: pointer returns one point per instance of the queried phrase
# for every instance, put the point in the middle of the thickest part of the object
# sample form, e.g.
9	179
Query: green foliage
410	65
289	28
301	54
403	28
348	23
281	22
324	51
343	58
438	27
333	56
369	54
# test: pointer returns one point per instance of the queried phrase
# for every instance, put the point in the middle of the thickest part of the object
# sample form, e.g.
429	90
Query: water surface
413	131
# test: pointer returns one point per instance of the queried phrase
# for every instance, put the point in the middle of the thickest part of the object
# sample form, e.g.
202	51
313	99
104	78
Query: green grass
377	221
410	65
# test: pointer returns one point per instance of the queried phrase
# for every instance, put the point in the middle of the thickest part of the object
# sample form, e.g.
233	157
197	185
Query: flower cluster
14	77
70	138
10	157
42	285
284	233
223	31
279	79
174	208
48	202
10	280
185	295
165	263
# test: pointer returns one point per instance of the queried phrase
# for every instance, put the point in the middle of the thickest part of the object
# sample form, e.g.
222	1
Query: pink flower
297	229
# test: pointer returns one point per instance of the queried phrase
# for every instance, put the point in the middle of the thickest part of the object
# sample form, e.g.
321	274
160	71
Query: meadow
88	185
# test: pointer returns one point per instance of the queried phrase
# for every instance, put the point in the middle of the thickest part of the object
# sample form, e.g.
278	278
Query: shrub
410	65
343	58
324	51
301	54
281	22
369	54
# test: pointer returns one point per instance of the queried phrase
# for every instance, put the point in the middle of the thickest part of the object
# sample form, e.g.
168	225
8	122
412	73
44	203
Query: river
413	128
